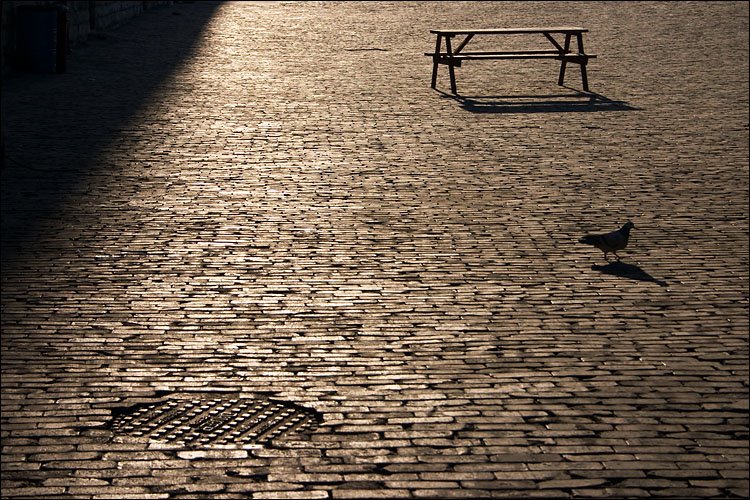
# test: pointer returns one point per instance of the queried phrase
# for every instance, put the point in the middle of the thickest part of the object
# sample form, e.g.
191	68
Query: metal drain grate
197	421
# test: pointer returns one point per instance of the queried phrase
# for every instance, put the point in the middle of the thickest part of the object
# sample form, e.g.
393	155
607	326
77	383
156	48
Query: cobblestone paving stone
268	198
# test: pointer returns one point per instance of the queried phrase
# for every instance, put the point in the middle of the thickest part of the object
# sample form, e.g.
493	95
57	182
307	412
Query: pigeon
610	242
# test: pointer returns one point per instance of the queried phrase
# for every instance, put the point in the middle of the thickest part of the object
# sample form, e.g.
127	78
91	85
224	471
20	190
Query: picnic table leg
566	49
584	77
435	60
451	68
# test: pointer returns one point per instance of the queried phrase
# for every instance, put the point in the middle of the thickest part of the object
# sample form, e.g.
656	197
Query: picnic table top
501	31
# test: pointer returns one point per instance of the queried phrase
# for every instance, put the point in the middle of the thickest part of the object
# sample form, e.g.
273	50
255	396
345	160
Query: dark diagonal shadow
56	126
573	101
628	271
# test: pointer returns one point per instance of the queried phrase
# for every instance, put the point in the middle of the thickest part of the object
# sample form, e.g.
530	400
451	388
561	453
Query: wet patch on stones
204	419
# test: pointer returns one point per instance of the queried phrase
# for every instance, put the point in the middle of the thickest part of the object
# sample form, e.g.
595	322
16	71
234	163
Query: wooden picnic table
560	50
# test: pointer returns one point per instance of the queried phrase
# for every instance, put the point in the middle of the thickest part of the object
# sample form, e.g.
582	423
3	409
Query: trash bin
42	38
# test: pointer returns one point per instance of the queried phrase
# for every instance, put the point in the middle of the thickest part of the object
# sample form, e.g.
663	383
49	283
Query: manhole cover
194	420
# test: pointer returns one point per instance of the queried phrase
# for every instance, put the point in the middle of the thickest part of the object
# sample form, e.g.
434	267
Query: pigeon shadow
574	101
628	271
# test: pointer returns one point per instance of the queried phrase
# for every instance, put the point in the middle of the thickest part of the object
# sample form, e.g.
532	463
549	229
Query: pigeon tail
590	240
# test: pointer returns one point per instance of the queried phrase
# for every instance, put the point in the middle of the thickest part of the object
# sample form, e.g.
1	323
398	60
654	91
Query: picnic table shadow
629	271
573	101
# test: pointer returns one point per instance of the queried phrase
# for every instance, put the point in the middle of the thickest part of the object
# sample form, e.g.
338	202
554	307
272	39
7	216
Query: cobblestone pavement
267	200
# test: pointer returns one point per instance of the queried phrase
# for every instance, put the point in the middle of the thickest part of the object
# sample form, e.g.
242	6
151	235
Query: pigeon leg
618	257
